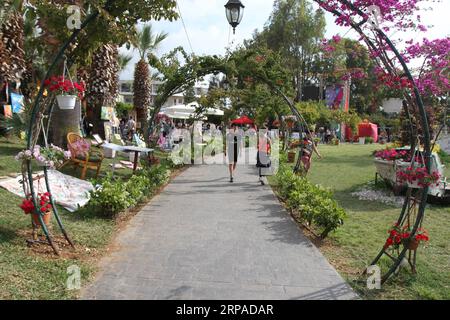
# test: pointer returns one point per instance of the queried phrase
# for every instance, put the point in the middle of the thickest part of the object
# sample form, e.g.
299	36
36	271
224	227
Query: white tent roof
182	111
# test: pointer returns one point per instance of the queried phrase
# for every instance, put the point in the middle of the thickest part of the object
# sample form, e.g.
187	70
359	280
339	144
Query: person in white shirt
131	124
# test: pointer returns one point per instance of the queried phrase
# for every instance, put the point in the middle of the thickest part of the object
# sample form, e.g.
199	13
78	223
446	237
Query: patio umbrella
243	120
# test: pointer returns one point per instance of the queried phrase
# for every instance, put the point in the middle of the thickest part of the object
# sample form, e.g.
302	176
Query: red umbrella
243	120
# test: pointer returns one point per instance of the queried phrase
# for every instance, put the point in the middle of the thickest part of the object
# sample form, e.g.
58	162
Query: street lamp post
234	10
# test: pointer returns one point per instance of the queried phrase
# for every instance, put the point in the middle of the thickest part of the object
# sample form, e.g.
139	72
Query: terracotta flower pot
291	157
47	217
412	244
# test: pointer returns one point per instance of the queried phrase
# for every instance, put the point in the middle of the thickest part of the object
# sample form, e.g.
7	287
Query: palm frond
147	41
124	61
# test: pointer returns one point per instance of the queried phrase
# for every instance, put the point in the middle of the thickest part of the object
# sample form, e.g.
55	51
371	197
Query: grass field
36	273
346	167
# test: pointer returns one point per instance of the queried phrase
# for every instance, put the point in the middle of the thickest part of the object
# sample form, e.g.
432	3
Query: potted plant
45	208
418	177
399	236
291	156
51	157
368	140
66	91
335	141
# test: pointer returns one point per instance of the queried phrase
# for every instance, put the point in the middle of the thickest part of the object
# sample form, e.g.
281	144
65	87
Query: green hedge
113	196
311	204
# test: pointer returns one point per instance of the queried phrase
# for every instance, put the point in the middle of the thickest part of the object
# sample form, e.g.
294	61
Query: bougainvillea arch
372	19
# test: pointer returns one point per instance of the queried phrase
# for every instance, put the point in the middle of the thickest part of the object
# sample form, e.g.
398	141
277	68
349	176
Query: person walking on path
308	149
234	146
263	154
131	128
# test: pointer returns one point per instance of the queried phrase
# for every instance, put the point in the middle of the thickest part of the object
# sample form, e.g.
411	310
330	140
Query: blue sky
209	31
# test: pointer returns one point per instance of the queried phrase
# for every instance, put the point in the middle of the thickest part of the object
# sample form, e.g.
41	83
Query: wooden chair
85	157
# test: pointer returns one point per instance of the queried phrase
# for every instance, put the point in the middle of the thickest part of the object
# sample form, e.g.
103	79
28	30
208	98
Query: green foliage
114	21
349	118
314	112
114	196
310	203
122	109
189	95
110	198
368	140
294	31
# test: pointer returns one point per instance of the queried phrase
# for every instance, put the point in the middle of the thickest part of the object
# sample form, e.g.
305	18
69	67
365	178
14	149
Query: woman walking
308	149
233	148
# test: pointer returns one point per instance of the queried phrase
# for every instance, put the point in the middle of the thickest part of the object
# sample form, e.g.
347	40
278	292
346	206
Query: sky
210	33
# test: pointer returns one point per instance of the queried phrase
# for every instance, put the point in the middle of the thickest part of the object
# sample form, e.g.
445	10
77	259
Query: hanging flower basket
66	90
66	102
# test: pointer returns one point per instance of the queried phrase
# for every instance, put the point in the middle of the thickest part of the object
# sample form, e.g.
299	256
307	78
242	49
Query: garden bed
35	272
352	247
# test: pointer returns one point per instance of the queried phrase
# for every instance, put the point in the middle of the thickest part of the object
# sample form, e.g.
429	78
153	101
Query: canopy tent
367	129
182	111
243	120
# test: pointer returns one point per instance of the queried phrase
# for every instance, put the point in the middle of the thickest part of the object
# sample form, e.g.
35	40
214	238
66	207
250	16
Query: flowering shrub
391	154
49	157
64	86
399	235
418	175
44	204
398	15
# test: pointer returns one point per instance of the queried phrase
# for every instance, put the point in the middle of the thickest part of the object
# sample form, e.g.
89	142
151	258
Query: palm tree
12	41
103	84
124	61
146	41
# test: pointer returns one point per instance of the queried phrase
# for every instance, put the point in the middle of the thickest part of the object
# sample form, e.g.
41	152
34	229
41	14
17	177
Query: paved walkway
205	238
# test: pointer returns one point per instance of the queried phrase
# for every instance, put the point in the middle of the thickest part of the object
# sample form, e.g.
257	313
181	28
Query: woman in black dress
233	148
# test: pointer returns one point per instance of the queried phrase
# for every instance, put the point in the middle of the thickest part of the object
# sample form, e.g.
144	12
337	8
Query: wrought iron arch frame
33	132
414	205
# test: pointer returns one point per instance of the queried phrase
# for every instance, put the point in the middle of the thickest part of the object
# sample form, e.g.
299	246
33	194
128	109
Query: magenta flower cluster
392	154
420	176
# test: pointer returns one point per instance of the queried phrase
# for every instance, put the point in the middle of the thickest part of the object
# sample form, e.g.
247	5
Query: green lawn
346	167
33	273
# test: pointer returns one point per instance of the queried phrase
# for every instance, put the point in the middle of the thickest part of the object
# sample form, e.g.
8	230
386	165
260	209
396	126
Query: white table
128	149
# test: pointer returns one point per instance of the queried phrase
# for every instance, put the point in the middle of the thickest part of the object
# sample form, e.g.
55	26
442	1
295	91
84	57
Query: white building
392	105
126	92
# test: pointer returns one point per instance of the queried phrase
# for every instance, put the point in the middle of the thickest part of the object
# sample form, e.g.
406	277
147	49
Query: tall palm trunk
142	95
102	85
12	48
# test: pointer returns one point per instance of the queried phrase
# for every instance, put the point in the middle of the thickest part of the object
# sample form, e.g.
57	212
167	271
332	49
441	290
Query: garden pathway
206	238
